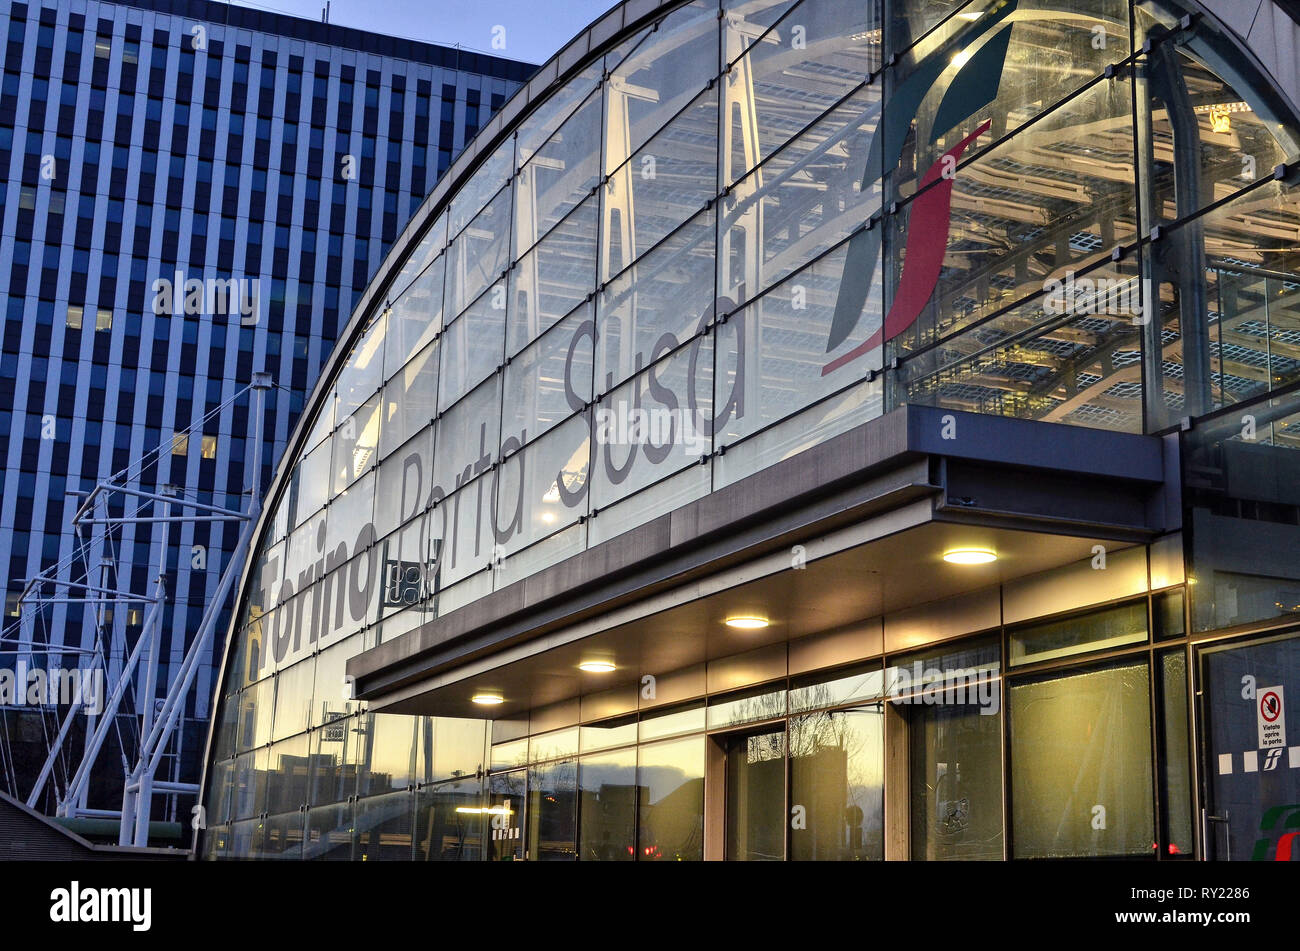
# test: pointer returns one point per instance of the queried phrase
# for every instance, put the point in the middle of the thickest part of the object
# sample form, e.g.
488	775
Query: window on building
180	444
75	315
208	449
104	319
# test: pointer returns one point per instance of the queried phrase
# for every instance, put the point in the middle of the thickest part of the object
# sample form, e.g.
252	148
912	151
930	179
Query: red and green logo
974	87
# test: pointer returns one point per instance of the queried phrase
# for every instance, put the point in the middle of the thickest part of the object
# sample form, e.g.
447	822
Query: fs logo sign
974	87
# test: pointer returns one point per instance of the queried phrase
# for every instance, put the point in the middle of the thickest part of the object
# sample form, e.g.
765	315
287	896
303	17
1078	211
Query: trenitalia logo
973	88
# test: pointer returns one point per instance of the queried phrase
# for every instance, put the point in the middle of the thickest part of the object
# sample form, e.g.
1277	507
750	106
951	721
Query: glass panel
754	705
670	787
450	822
505	813
506	755
541	124
329	833
459	747
1081	764
951	699
552	279
659	77
656	423
1112	627
663	185
464	524
387	753
553	811
1073	355
815	56
467	439
356	444
382	829
293	696
479	256
553	745
773	361
313	482
801	201
472	346
287	775
755	810
403	483
837	762
250	785
562	174
432	244
415	318
482	185
410	400
865	684
363	370
663	299
543	487
745	21
603	736
1026	216
607	806
550	380
1242	492
283	837
1175	752
350	509
335	763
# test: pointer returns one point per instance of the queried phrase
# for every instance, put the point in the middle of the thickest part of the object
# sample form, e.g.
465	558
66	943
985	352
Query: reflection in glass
755	810
670	787
450	822
505	816
952	701
1111	627
553	811
837	762
382	829
607	800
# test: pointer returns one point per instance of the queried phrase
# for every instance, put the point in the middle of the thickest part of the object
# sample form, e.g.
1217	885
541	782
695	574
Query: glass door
505	813
755	802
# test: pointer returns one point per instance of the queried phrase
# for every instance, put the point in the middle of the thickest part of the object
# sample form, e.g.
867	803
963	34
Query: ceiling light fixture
488	699
747	622
970	556
596	666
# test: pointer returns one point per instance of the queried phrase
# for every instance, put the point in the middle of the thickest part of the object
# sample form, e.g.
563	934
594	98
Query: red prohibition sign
1270	706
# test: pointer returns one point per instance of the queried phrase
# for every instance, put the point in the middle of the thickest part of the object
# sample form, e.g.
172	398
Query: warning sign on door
1272	717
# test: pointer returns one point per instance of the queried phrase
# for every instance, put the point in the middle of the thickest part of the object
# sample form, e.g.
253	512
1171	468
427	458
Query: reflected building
808	429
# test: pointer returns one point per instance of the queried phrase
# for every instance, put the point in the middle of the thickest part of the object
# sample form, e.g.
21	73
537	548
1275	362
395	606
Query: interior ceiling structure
831	593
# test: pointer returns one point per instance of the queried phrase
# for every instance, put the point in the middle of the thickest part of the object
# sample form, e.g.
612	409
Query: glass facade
724	239
141	142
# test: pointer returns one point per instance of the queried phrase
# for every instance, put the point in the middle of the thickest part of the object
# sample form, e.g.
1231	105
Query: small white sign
1272	717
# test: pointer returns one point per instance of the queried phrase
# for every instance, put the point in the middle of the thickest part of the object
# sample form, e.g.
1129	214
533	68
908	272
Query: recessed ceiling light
488	699
747	622
970	556
596	666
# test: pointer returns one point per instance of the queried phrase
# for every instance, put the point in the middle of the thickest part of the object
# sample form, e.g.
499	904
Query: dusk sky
534	29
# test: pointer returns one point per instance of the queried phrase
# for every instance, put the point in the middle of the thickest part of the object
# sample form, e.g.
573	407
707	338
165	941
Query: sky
533	29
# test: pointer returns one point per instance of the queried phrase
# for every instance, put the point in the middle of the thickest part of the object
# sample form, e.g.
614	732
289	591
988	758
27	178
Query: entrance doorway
756	790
